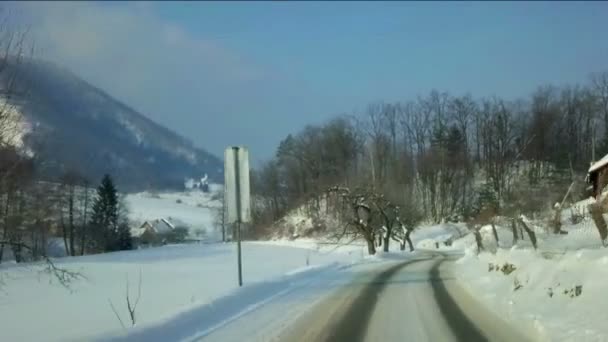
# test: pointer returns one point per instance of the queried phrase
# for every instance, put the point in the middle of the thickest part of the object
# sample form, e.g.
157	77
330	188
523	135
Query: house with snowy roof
152	232
597	176
160	231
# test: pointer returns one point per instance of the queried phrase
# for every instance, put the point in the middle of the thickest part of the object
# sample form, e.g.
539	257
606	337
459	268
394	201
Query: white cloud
89	33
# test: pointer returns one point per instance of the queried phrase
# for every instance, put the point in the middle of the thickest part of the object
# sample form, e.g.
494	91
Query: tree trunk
5	222
71	226
495	233
514	230
1	251
64	231
83	238
17	253
531	233
386	242
371	248
409	241
35	243
478	241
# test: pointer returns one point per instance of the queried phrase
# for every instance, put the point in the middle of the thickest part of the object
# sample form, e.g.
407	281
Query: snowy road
416	300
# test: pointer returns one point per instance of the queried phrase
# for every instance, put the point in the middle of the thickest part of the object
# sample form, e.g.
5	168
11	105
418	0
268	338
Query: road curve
415	300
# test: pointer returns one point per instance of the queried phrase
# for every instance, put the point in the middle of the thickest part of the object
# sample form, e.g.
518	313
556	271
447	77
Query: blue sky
251	72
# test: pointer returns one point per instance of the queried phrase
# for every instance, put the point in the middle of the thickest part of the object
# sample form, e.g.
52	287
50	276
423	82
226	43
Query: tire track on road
459	323
366	309
353	325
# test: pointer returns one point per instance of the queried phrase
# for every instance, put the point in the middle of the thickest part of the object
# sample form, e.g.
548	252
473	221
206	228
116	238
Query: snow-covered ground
181	284
175	279
556	292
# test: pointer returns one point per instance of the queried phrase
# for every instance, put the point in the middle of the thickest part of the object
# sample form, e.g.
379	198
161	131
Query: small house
152	232
597	176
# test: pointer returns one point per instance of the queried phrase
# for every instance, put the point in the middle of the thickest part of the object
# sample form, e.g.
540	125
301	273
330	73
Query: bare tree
599	83
70	183
389	214
85	199
360	214
408	217
131	305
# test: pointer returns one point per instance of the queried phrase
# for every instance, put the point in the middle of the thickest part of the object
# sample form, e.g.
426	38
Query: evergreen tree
105	215
124	241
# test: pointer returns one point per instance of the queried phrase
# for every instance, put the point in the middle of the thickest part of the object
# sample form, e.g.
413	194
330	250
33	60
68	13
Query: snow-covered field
175	279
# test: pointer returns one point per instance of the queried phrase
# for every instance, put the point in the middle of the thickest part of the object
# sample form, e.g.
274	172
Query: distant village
200	184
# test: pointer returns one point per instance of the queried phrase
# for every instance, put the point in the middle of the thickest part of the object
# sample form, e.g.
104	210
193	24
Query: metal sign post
236	193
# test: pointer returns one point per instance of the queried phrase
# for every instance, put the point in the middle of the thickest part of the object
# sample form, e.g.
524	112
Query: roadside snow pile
438	236
556	291
562	298
175	278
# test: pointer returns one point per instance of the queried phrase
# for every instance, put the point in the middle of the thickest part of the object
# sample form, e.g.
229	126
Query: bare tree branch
64	276
116	314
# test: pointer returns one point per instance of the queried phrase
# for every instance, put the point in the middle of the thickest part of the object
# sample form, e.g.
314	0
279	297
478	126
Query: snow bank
542	294
435	236
557	291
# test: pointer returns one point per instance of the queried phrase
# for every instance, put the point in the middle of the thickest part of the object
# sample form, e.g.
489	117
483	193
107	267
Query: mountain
71	124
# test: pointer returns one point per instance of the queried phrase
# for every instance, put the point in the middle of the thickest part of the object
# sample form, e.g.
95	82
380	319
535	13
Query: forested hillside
71	125
445	156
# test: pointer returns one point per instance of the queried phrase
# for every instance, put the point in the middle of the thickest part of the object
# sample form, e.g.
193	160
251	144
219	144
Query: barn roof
599	164
159	226
162	226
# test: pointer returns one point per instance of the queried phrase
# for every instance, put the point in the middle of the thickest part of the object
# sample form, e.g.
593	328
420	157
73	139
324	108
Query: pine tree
124	241
105	215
